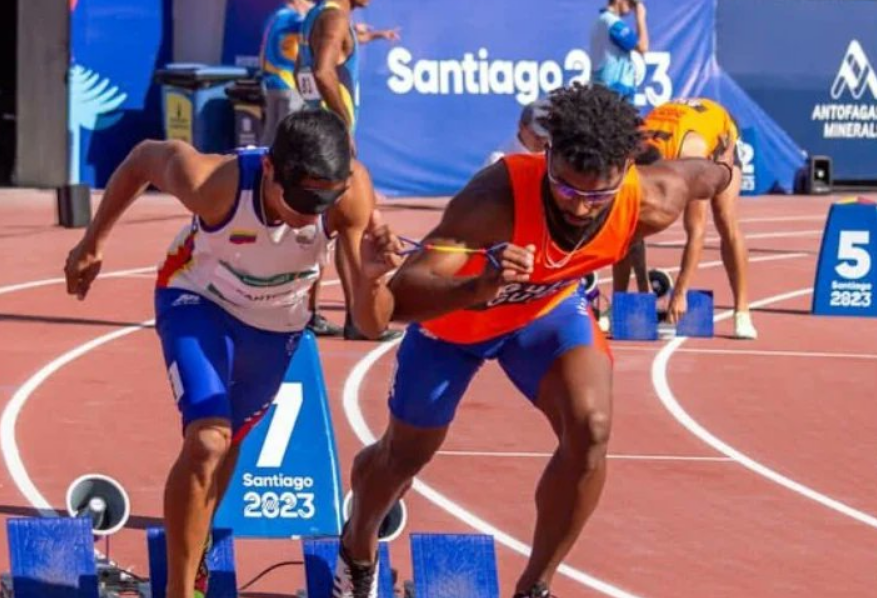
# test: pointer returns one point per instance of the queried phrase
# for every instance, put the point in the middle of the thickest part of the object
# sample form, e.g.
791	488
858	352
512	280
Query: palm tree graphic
91	97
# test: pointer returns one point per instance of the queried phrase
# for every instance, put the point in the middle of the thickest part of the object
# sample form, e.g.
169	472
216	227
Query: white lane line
619	457
667	398
8	444
749	236
13	288
753	352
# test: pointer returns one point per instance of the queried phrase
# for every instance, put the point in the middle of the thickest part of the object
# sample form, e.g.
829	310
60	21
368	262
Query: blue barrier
321	556
52	557
634	317
454	565
220	562
697	322
846	273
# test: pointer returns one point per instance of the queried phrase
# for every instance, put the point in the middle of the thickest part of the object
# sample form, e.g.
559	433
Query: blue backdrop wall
435	104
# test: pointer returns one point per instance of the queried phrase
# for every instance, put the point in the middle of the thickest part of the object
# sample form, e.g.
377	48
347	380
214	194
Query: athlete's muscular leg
735	256
190	498
576	397
381	474
635	259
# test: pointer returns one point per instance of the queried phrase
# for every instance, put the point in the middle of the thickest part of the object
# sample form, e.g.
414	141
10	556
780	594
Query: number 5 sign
846	276
287	481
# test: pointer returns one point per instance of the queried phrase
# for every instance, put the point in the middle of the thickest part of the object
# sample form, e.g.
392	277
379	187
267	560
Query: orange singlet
669	124
556	273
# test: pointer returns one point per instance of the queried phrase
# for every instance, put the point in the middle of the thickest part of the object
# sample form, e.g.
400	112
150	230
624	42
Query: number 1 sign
846	276
287	481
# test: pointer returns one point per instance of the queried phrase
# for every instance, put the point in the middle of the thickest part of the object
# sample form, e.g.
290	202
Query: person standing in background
530	138
613	43
277	58
280	46
327	74
327	70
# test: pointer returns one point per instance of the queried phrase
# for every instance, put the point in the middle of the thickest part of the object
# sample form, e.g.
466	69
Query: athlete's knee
403	463
727	226
586	439
637	251
695	228
206	445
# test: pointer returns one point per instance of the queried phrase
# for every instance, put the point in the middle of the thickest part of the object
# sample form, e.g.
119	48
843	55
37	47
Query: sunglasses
305	200
569	192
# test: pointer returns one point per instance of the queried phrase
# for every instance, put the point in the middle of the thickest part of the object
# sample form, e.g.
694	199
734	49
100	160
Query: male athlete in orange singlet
561	215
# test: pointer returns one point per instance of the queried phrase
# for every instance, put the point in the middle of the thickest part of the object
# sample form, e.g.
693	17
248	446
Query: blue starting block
454	565
52	557
287	481
321	556
698	320
635	316
846	275
220	561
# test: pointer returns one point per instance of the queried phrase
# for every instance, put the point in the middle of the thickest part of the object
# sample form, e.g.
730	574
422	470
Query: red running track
737	469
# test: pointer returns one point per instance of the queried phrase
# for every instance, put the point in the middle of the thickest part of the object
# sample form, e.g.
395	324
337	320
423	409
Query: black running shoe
320	326
540	590
354	580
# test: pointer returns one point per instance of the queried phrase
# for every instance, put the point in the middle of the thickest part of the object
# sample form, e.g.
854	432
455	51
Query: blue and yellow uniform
280	46
348	71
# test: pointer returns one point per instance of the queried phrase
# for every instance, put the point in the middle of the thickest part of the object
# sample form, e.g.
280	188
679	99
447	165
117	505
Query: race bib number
307	86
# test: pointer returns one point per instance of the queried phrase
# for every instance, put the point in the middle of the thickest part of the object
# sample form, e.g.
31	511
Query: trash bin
248	100
195	107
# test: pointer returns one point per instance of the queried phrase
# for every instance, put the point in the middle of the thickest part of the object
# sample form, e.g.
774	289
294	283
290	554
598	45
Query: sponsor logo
856	81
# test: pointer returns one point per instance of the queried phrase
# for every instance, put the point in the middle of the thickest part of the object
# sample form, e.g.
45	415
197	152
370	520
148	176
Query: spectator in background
365	33
327	73
280	46
277	58
613	43
531	138
327	69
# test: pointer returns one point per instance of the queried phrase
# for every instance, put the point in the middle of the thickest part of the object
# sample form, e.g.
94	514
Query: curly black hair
592	128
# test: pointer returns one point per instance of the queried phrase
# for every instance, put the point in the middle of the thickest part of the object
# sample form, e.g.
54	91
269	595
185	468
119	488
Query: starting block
454	565
52	557
220	561
635	316
321	555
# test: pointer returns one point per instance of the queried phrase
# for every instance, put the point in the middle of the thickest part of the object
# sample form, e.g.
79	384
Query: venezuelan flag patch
242	237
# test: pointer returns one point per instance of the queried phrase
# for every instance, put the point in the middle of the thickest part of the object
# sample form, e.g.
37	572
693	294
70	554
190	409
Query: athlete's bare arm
480	216
668	186
327	44
353	218
204	183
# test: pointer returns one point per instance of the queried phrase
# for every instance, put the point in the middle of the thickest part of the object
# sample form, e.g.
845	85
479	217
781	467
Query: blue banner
287	481
435	105
245	22
115	47
847	273
811	66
